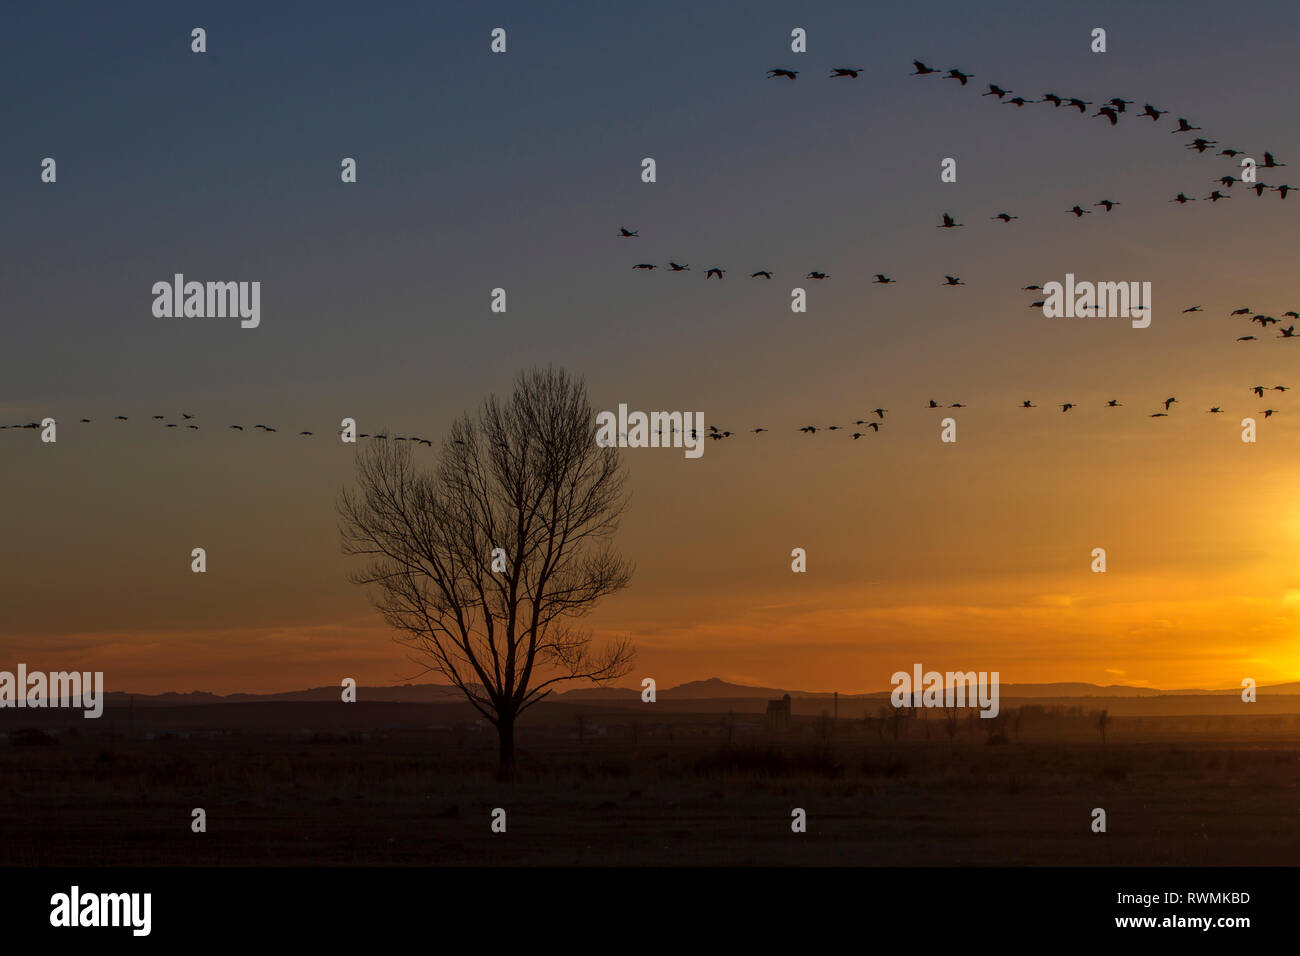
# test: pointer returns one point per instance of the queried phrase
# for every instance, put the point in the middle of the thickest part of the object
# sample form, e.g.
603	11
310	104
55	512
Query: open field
414	784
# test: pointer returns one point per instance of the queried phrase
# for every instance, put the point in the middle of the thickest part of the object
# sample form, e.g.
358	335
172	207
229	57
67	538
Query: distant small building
778	714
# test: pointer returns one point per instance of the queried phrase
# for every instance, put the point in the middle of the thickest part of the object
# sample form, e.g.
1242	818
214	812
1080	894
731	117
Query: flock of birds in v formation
1112	110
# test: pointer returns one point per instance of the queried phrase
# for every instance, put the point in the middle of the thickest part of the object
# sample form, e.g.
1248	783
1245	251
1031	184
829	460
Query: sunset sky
478	171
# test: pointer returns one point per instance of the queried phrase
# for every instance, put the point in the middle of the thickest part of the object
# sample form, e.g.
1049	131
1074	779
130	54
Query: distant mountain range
711	689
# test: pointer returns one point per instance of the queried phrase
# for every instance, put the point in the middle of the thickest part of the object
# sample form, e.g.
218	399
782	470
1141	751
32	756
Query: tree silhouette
526	477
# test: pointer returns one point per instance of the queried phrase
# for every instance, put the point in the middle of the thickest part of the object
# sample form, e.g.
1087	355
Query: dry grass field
307	783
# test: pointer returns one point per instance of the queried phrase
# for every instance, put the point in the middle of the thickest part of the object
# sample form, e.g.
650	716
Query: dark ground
318	783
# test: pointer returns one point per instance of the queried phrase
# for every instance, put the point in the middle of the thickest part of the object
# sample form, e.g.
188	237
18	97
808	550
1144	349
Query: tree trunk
506	736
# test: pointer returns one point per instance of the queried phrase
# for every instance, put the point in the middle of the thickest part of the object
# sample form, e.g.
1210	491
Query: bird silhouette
1114	403
1109	113
1067	406
676	268
949	223
882	279
959	75
1195	308
1283	189
1184	126
1052	98
1016	101
1080	105
995	90
1005	217
1181	199
816	275
880	412
627	233
1169	401
761	272
1216	196
837	71
1108	204
714	272
921	69
1079	212
1270	412
1119	104
1201	145
952	280
1154	113
644	265
1270	162
788	74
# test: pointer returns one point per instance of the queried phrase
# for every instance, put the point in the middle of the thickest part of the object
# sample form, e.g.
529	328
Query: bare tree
484	564
1103	719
